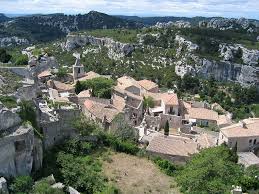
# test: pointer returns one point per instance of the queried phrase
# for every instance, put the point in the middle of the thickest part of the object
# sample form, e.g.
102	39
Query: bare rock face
225	24
8	119
184	45
121	49
71	190
178	24
226	71
14	40
3	186
16	152
249	57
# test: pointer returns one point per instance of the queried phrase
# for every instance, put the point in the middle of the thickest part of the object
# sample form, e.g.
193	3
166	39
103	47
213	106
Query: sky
188	8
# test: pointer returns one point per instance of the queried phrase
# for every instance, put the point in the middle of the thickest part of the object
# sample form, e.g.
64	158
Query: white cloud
228	8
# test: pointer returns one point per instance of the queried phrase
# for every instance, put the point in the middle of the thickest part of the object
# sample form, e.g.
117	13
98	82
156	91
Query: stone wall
56	131
17	152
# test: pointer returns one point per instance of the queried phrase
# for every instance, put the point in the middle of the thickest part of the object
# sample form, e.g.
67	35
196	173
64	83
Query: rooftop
247	158
100	110
174	146
246	128
126	81
46	73
167	98
147	84
202	113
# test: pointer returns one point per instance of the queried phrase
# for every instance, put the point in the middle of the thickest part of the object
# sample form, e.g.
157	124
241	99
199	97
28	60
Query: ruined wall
56	131
17	151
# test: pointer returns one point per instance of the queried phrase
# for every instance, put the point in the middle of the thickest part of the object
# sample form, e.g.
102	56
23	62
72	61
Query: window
78	71
230	144
254	141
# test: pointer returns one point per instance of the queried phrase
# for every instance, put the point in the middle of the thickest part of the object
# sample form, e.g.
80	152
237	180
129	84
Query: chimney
242	124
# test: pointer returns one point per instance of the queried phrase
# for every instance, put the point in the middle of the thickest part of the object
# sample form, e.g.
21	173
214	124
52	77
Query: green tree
62	72
148	102
4	56
101	87
79	87
123	130
166	130
84	125
21	184
213	170
43	187
83	173
21	60
28	113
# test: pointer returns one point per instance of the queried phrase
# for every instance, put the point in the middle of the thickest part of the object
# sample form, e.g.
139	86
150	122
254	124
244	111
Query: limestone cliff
20	151
116	49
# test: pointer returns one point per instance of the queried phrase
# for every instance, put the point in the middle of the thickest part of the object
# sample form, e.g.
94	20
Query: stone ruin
20	151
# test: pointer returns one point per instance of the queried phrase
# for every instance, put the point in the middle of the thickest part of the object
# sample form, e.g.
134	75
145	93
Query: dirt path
133	175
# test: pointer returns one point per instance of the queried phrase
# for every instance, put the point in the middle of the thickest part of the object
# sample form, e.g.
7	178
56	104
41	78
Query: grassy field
134	175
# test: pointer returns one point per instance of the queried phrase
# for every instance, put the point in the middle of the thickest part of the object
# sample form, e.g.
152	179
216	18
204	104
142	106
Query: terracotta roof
245	128
100	110
83	94
125	92
147	84
89	75
167	98
202	113
62	86
126	81
118	102
46	73
174	146
170	98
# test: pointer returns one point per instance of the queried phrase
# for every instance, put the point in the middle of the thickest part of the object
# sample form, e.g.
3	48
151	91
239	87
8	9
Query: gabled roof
147	84
100	110
167	98
89	75
46	73
126	81
83	94
202	113
173	146
246	128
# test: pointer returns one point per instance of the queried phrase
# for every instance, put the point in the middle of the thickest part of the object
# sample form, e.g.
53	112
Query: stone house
148	86
165	103
177	149
244	136
129	103
202	116
102	113
129	84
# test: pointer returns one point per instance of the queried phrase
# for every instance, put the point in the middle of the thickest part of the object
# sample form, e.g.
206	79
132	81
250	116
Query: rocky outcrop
13	41
184	46
115	48
8	119
3	186
249	57
20	151
225	24
178	24
227	71
16	151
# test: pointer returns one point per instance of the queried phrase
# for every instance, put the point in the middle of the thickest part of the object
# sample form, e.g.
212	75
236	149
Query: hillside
3	18
55	26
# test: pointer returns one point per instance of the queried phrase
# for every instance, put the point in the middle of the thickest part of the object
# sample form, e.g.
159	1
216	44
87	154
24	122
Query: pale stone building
244	136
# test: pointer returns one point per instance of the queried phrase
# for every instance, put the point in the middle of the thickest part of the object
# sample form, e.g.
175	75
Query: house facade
243	136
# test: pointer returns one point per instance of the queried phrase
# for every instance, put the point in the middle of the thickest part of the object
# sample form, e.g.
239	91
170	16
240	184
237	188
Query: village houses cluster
193	125
146	108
